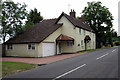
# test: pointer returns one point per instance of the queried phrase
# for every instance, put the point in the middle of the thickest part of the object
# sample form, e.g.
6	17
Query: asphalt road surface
101	63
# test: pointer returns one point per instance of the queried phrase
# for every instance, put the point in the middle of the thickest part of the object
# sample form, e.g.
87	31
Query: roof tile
64	38
36	33
42	30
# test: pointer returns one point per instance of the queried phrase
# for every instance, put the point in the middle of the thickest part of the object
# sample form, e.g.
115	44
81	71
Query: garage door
48	49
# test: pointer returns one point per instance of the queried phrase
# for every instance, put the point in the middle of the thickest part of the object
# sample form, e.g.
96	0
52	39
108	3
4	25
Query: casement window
93	43
89	43
70	43
80	31
82	42
90	33
84	32
31	46
9	46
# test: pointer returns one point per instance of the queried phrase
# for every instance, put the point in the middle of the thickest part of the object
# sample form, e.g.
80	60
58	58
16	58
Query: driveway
45	60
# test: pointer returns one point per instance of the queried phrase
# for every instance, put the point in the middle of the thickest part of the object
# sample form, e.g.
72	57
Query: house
65	34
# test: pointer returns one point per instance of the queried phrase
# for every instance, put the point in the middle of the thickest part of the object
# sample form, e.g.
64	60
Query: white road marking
114	50
102	56
69	72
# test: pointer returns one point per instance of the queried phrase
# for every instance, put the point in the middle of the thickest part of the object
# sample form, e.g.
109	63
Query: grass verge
9	68
96	49
89	50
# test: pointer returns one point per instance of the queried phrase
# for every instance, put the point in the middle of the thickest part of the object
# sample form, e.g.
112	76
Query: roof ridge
50	19
76	22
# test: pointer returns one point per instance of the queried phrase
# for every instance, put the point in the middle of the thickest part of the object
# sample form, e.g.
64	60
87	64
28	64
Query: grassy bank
9	68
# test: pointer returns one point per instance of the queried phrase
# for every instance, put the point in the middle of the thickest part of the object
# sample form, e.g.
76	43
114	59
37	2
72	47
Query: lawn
9	68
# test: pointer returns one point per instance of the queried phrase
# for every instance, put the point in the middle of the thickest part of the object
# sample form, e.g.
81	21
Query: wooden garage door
48	49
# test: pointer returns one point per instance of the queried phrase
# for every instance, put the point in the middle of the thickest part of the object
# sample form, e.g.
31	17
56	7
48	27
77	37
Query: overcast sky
53	8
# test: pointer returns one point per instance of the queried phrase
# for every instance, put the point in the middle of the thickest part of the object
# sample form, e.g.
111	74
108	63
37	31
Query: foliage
9	68
12	16
100	19
0	11
118	38
117	43
33	17
114	36
28	25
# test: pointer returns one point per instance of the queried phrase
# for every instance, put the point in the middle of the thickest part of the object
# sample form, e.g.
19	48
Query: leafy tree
12	16
100	19
114	34
33	17
28	25
0	10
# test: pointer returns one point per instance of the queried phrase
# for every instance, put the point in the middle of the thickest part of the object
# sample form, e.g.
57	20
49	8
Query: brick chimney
73	13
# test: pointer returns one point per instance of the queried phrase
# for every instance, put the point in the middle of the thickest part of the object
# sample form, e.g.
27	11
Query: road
101	63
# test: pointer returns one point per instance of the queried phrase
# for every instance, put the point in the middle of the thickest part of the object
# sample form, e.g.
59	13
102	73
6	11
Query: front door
59	49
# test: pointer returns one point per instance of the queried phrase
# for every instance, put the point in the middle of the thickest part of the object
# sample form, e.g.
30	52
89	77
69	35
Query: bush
117	43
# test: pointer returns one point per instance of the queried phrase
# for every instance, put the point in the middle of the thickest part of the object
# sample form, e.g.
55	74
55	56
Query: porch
64	44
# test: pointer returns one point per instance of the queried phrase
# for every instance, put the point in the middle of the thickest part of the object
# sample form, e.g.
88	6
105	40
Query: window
90	33
9	47
31	46
80	31
69	43
84	32
82	42
89	44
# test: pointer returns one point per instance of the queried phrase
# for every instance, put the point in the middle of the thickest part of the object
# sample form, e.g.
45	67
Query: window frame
31	46
82	42
9	47
69	43
84	32
80	31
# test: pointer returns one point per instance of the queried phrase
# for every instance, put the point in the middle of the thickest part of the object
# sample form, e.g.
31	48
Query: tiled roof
76	22
36	33
42	30
64	38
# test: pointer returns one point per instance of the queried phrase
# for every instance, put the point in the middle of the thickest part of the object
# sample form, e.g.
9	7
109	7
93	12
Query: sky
53	8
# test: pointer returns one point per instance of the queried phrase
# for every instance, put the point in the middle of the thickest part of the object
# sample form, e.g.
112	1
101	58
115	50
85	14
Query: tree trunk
3	47
3	50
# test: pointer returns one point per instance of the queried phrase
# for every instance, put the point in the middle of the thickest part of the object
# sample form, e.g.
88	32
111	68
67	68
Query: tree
33	17
28	25
12	16
100	19
0	10
114	34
